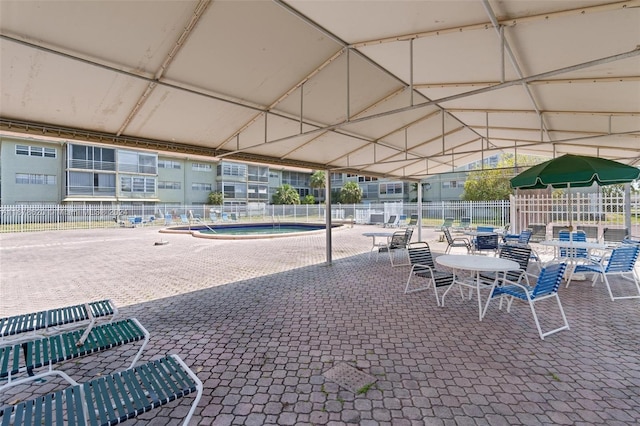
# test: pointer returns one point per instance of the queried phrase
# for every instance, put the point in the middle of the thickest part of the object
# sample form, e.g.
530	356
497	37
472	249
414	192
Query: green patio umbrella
569	171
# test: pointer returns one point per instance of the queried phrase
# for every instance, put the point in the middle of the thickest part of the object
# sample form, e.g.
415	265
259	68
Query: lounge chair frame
111	399
50	350
26	326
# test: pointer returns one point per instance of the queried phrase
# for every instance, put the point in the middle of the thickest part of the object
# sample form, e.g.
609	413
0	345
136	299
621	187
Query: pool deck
261	321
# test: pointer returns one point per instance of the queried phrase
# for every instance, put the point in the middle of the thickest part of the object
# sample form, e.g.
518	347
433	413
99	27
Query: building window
232	169
390	188
36	151
367	179
257	192
296	179
35	179
169	164
88	183
169	185
336	178
91	158
201	167
234	190
140	184
452	184
258	174
137	162
201	186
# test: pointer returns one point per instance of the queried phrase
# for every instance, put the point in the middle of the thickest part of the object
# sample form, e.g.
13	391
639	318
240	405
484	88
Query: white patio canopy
400	89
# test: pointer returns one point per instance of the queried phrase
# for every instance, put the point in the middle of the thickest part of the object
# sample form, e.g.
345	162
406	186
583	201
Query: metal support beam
327	198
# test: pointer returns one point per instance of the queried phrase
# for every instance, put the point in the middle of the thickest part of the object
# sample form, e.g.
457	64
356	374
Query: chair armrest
463	239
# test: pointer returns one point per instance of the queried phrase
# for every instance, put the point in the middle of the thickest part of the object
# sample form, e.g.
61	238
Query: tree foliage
317	179
286	194
493	184
351	193
308	199
215	198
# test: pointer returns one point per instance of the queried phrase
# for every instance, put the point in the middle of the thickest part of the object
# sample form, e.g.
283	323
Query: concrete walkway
261	321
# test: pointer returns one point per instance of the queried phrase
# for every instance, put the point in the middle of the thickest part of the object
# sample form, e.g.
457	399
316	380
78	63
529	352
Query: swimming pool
247	230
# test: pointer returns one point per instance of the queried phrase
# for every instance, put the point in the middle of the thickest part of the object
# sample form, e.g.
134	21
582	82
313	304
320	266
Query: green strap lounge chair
110	399
47	351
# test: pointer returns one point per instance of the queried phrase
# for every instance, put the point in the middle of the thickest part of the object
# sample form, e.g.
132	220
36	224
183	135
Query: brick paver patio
260	321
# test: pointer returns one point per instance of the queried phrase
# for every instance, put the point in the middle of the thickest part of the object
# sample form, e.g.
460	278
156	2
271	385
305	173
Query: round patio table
378	244
476	264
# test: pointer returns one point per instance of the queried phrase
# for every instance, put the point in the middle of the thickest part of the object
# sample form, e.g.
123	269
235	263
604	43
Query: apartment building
41	171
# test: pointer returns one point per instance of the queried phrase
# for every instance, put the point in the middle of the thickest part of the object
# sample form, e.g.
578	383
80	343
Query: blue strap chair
621	262
486	242
573	253
546	287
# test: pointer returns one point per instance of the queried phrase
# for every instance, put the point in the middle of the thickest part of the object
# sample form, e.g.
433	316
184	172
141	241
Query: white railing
525	211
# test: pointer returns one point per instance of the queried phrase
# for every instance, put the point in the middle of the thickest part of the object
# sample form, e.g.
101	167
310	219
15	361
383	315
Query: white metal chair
399	241
422	266
392	222
455	242
546	287
621	262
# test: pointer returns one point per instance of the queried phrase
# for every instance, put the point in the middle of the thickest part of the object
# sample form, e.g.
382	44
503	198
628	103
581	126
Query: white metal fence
597	210
521	212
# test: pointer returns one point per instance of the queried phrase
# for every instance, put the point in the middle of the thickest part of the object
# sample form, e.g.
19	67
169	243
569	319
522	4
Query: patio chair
621	262
590	231
448	223
422	266
184	219
55	320
522	238
465	223
555	231
399	242
546	287
485	229
520	253
168	220
455	242
614	235
576	253
50	350
110	399
149	221
538	232
413	220
486	242
135	221
392	222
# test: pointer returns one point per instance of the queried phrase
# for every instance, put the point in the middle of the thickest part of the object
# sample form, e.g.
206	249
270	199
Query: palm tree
215	198
286	194
351	193
318	180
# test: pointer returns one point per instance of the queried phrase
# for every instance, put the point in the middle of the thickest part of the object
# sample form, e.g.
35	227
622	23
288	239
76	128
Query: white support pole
327	214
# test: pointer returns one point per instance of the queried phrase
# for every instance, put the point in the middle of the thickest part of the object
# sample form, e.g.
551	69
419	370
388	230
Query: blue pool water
246	230
259	229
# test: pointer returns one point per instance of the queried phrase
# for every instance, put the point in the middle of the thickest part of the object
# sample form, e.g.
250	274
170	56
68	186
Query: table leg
478	292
